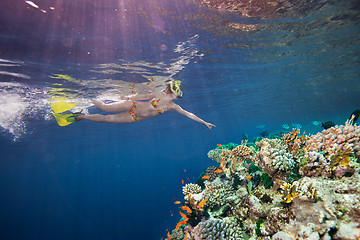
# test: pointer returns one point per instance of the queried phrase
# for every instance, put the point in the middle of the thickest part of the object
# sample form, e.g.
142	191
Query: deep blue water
106	181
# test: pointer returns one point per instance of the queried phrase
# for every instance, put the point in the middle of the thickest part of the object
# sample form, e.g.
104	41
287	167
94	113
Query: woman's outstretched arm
190	115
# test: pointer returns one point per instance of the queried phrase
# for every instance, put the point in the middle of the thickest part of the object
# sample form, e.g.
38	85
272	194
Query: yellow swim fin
62	119
61	104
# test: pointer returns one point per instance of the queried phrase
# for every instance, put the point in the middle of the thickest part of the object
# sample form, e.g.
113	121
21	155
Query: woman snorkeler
134	110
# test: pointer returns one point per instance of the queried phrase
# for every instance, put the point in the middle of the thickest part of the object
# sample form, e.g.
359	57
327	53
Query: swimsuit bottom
132	112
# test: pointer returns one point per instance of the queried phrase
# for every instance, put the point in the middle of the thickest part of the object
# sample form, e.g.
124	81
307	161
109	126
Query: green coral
230	146
257	229
266	180
253	168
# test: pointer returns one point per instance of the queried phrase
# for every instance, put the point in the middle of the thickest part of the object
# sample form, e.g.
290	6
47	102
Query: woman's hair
168	86
173	86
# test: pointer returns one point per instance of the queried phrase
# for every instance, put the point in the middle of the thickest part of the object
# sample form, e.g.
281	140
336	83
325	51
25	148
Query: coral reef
242	201
191	188
211	172
293	141
334	139
218	229
214	154
273	156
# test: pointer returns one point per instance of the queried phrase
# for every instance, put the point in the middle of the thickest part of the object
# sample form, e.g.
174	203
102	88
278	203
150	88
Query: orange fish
184	169
168	234
183	216
186	208
185	238
177	202
218	171
219	145
206	177
182	181
202	203
248	177
178	225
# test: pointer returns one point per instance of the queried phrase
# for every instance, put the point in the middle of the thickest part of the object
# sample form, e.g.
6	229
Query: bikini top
155	103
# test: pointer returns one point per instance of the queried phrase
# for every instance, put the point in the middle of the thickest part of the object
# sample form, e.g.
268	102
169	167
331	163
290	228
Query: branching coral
340	163
242	151
335	139
293	141
229	160
291	191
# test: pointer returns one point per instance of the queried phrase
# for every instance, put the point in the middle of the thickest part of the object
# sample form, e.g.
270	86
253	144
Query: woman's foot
75	117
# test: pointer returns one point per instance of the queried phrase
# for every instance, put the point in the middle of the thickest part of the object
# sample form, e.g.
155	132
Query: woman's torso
155	106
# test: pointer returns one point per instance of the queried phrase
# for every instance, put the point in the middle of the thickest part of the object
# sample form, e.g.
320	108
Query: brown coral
210	171
293	141
242	151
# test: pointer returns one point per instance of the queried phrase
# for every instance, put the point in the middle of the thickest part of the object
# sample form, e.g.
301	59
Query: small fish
184	169
183	215
296	125
218	171
177	202
248	177
178	225
327	124
219	145
168	234
185	237
202	203
315	123
186	208
206	177
182	181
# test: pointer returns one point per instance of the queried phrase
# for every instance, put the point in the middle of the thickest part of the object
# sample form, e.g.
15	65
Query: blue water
106	181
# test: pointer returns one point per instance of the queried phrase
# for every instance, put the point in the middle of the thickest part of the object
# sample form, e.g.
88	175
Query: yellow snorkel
175	87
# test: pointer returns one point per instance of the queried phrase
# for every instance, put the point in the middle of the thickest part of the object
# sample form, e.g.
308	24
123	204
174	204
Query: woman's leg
114	107
116	118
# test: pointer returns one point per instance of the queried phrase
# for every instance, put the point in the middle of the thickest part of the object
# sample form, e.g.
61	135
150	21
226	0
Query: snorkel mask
175	87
